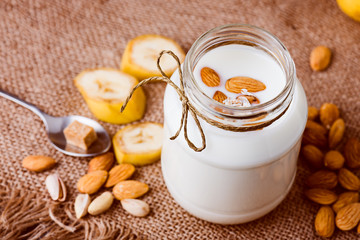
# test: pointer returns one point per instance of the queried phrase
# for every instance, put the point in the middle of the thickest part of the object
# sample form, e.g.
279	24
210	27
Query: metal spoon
56	125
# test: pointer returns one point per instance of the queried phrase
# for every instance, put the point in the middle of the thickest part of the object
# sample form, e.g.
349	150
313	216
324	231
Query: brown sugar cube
80	135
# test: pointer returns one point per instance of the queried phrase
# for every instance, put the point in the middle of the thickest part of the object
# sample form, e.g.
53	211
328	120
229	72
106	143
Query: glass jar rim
204	42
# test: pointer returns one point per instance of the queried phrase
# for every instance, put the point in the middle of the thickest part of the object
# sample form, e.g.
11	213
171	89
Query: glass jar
246	170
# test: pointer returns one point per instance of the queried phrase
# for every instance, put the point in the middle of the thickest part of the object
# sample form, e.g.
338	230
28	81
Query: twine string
186	105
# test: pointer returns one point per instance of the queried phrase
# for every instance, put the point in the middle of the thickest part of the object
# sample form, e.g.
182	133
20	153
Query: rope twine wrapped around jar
187	106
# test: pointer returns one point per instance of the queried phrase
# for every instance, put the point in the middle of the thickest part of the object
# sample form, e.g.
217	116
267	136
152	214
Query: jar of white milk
249	162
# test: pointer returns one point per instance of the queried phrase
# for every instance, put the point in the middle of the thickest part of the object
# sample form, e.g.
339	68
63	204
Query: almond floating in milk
210	77
80	135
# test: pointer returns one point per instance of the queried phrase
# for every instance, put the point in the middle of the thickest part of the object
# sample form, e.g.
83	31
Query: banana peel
350	8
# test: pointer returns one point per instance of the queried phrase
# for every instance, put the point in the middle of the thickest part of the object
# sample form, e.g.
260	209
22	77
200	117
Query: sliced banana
138	144
141	54
105	90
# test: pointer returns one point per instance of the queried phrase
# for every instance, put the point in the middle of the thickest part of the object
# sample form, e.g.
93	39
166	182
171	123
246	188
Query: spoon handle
23	103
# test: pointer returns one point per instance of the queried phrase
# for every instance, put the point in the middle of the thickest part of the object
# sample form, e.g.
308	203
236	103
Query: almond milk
240	175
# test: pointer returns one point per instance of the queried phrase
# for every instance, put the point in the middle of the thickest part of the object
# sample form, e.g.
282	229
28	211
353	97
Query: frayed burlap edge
25	215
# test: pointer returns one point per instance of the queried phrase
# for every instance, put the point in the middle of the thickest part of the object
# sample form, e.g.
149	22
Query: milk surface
239	60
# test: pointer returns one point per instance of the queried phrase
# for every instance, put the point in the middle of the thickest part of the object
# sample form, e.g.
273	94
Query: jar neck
243	118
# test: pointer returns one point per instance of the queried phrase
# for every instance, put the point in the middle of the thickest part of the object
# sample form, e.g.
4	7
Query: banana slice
138	144
105	90
142	52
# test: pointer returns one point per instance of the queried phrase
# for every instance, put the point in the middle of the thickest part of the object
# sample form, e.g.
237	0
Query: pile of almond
102	173
334	185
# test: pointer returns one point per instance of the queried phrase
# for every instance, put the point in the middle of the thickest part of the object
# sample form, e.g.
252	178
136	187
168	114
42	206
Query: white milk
239	60
239	176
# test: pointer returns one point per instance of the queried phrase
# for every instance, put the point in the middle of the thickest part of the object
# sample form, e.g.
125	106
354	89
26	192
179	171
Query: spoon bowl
56	126
55	130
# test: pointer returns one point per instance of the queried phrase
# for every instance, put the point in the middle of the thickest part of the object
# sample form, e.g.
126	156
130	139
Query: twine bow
186	105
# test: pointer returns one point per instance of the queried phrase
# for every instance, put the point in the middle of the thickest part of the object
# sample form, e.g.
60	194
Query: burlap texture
45	44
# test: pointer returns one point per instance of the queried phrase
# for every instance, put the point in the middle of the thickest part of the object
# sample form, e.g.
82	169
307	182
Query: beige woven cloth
45	44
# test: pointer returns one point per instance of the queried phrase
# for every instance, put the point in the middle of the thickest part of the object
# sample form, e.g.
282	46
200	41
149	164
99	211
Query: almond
320	58
237	84
336	133
321	196
325	222
313	113
315	134
129	189
135	207
209	77
92	182
219	96
101	204
252	99
81	205
313	155
349	180
345	199
348	217
102	162
329	113
38	163
352	153
322	179
334	160
119	173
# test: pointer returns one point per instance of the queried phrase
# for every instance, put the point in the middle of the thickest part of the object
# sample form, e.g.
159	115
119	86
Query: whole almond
81	205
345	199
38	163
136	207
313	113
336	133
315	134
334	160
237	84
322	179
352	153
358	228
92	182
329	113
102	162
325	222
321	196
101	204
349	180
313	155
119	173
320	58
219	96
129	189
209	77
348	217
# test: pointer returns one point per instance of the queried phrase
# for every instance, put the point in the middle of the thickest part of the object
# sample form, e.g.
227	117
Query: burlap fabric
45	44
